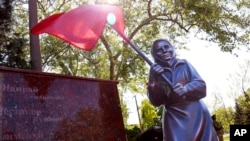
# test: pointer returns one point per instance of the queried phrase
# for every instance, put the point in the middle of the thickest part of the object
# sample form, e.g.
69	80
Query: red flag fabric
81	26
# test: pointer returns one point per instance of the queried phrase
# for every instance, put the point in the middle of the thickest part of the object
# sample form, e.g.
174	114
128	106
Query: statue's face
164	50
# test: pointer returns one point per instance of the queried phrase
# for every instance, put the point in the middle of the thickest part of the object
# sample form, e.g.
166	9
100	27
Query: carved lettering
12	136
53	119
45	97
9	88
20	112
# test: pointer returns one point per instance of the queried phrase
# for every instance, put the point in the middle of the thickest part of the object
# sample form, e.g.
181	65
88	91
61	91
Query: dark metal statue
185	116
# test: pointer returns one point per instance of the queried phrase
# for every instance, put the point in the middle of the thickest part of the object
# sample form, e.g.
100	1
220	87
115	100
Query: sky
213	65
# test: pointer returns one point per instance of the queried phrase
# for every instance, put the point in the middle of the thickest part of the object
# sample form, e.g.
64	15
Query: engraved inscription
20	112
9	88
28	136
52	98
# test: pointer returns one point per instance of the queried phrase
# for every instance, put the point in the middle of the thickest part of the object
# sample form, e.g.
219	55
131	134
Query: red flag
81	26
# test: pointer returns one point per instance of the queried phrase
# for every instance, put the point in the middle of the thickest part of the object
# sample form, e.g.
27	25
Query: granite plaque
50	107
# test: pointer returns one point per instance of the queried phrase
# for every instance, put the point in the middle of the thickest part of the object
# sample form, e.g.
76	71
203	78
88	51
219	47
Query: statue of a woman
185	116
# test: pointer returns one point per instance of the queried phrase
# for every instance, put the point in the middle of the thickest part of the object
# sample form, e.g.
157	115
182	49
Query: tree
238	114
5	12
242	109
176	18
12	51
150	115
240	79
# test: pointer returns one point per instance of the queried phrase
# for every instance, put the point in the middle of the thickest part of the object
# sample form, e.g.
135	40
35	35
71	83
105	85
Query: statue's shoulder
181	61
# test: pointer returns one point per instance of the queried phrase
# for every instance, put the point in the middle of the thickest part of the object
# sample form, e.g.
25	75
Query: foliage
153	19
5	14
132	132
150	115
115	58
242	109
12	43
12	54
176	18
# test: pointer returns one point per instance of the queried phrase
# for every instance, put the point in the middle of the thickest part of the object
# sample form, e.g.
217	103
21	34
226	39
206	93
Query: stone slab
44	107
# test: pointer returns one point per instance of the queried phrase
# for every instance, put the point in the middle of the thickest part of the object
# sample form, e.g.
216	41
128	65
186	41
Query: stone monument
44	107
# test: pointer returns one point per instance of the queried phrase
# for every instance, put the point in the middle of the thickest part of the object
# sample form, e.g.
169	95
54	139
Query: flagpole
35	53
111	19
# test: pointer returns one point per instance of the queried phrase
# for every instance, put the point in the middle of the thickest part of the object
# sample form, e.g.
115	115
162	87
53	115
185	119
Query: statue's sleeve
196	86
158	93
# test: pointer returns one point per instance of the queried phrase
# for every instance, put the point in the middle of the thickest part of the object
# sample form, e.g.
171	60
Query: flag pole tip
111	19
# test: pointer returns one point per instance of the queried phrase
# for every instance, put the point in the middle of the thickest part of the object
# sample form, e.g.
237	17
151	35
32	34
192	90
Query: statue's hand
156	69
180	89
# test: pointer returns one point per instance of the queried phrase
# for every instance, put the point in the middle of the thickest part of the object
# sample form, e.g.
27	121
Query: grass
226	137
